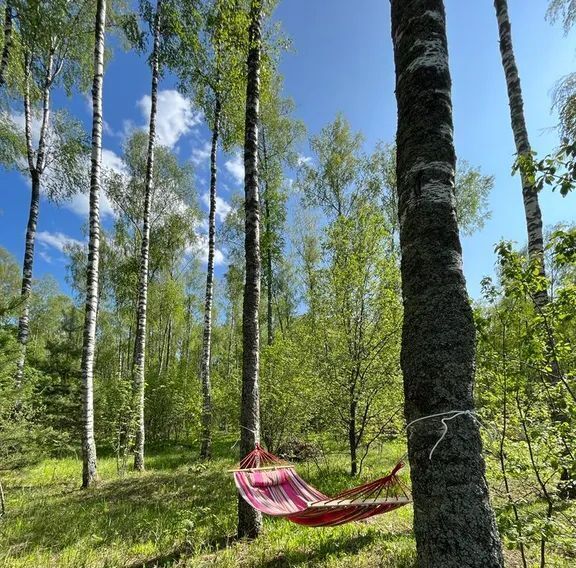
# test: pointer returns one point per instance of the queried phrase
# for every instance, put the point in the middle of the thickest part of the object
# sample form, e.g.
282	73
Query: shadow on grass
178	508
155	507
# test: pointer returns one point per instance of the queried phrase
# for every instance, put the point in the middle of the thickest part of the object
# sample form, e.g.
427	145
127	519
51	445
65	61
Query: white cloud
175	118
200	249
223	208
80	204
56	240
111	161
200	155
303	160
46	257
236	167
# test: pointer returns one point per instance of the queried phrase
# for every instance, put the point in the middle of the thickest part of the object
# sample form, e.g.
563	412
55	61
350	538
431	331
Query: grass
180	513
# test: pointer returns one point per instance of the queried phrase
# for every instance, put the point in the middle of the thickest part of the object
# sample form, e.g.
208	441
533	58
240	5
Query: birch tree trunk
89	470
36	164
453	521
250	520
532	209
529	194
140	342
206	443
7	42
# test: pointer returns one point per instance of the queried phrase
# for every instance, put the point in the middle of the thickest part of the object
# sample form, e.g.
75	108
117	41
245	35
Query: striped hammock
273	487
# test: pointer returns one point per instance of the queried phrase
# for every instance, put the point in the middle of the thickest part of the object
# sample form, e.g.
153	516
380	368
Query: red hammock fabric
272	486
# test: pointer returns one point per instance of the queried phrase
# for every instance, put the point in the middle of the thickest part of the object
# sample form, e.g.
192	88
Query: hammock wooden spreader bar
273	487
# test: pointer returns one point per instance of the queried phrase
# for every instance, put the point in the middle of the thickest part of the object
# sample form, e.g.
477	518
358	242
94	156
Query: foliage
528	402
557	170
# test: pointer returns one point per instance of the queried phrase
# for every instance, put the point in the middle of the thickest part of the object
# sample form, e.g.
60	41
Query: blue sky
341	61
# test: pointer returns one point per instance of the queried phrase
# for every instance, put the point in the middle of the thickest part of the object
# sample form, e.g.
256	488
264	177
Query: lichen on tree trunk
453	520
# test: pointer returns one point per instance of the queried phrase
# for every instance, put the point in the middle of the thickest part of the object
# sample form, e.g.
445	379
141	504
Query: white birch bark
36	165
89	466
206	440
532	209
140	341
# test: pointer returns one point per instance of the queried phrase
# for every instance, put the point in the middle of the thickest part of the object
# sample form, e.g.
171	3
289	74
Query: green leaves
557	170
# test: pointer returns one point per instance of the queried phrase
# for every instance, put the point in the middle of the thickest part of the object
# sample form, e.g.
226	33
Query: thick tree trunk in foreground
453	521
529	194
7	42
206	444
140	342
89	475
250	520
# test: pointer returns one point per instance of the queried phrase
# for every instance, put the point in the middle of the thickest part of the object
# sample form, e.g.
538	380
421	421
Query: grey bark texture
140	341
7	42
36	165
453	521
250	520
529	194
89	467
206	441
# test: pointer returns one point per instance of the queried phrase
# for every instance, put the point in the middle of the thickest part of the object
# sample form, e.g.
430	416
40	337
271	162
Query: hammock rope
272	486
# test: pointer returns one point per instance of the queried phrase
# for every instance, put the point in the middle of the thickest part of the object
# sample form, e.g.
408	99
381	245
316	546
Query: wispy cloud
58	241
302	160
200	155
236	167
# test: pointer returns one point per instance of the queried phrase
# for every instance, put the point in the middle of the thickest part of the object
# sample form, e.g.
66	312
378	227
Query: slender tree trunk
140	345
89	475
352	438
206	443
24	321
529	194
250	520
532	209
7	42
453	520
36	163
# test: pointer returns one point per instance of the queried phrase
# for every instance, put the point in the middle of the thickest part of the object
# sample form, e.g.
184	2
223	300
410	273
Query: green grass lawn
181	513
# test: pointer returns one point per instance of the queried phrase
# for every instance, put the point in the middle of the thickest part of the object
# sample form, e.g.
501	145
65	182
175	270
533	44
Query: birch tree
453	520
7	41
532	209
89	342
211	71
54	44
250	520
140	342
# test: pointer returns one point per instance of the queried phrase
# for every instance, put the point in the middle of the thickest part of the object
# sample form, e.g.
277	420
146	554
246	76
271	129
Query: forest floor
180	513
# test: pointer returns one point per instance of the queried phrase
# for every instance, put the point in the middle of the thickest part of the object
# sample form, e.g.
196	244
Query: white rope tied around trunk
449	415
